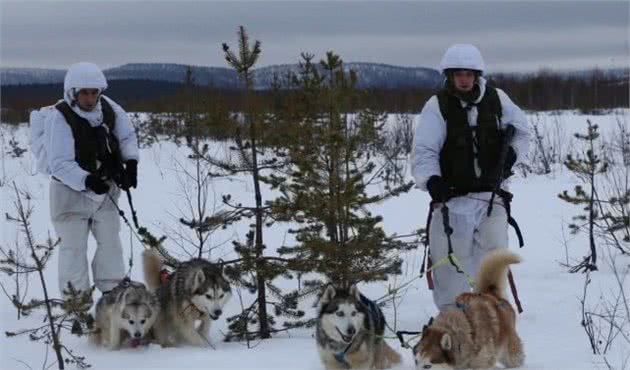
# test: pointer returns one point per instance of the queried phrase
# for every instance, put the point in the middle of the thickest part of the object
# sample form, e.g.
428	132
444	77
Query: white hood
82	75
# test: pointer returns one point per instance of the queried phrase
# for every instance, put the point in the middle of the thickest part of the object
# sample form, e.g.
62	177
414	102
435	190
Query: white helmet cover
462	56
84	75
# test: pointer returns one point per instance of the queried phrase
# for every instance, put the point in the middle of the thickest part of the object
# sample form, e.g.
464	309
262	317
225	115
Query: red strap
429	273
433	205
514	292
164	276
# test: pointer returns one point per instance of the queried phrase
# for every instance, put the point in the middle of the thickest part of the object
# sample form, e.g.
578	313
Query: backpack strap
65	110
507	200
109	116
442	97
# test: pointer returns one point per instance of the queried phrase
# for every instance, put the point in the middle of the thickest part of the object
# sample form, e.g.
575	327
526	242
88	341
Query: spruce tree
587	167
254	269
336	177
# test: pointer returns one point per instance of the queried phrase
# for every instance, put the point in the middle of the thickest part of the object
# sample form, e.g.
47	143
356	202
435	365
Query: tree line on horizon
590	91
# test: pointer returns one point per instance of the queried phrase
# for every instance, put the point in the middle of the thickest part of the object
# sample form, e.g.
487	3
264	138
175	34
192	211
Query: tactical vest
94	145
457	155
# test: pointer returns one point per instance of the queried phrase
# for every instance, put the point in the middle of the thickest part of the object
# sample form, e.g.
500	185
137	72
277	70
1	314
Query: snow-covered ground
550	325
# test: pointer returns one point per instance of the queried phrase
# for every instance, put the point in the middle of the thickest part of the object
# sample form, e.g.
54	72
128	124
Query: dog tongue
135	343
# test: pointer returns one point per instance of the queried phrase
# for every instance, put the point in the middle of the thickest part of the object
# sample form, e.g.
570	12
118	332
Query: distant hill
30	76
370	75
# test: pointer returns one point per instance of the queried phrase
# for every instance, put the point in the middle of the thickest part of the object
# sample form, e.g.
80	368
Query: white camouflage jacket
60	143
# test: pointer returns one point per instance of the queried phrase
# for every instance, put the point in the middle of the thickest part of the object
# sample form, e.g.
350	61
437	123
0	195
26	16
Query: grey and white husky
193	294
124	315
350	331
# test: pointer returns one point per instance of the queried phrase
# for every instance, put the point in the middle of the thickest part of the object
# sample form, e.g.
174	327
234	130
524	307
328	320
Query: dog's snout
351	330
217	313
137	334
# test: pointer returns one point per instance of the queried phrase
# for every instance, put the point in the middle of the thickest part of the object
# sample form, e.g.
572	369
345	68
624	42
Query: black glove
510	159
95	184
438	189
129	178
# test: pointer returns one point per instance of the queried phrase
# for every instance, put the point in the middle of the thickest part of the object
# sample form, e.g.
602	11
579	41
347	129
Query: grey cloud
404	33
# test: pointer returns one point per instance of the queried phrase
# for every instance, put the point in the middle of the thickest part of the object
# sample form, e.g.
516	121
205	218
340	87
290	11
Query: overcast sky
512	36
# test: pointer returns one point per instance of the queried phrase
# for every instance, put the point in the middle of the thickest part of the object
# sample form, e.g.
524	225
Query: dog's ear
221	266
446	342
131	297
150	312
354	292
328	296
425	327
125	297
197	279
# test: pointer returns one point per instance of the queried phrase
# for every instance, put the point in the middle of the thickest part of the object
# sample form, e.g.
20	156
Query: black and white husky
350	331
194	294
125	315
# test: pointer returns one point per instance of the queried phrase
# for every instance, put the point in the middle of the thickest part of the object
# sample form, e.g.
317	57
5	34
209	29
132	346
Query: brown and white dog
480	330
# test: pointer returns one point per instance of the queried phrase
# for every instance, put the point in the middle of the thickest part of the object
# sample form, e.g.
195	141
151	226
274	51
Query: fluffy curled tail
492	274
152	265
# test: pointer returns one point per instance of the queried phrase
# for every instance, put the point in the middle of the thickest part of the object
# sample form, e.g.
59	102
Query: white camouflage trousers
474	235
73	216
